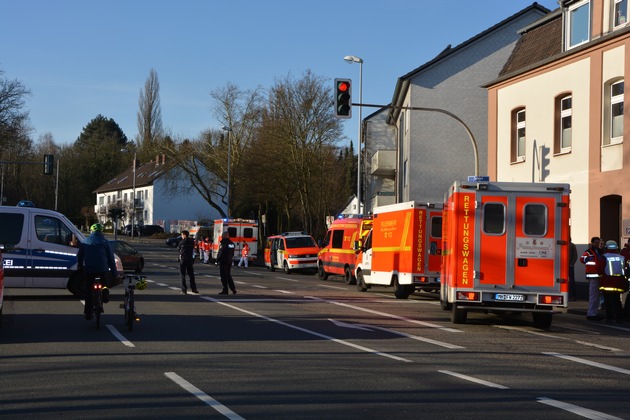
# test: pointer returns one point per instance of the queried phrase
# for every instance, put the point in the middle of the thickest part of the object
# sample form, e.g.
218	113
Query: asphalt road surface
289	346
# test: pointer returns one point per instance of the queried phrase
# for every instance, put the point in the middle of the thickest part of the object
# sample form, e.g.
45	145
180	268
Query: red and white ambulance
337	255
239	231
291	251
505	248
403	249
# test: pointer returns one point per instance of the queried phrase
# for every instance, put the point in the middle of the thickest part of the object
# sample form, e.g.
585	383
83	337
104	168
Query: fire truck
239	231
337	255
403	249
505	249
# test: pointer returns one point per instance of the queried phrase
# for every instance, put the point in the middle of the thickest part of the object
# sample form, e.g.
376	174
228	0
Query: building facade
556	113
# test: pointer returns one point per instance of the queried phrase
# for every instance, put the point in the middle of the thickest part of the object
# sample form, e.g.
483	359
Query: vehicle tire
361	286
458	316
285	268
400	291
321	273
348	277
542	320
445	305
140	266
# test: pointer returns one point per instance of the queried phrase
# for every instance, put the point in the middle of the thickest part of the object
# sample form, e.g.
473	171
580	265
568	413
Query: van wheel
348	277
445	305
458	316
285	267
361	287
542	320
400	291
323	275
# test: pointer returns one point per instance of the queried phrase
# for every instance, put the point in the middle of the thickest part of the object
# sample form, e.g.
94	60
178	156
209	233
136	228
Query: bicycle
129	304
97	301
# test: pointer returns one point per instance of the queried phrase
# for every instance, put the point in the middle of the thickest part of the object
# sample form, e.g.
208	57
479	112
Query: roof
537	43
146	174
403	82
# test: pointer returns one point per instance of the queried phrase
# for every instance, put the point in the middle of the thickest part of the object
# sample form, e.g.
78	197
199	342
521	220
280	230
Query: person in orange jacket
244	255
207	247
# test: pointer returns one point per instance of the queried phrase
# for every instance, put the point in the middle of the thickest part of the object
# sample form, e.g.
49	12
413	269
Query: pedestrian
244	255
225	259
573	257
207	247
186	248
95	259
613	282
592	260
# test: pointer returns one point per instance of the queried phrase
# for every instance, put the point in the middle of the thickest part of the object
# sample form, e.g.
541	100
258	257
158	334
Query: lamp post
227	190
133	199
353	59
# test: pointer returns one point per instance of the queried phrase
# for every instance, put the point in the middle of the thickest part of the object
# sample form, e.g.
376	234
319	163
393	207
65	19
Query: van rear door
517	246
13	236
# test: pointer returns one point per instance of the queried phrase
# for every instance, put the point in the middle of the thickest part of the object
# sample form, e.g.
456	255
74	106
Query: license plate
509	297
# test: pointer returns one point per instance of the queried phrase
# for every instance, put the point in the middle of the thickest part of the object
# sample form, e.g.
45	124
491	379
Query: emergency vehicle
505	248
403	249
239	231
291	251
1	281
337	255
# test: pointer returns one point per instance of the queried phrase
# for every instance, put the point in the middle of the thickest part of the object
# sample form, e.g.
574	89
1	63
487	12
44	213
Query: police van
40	250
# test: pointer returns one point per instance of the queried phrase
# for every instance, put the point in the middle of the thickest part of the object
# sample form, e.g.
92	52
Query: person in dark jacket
225	257
95	259
186	248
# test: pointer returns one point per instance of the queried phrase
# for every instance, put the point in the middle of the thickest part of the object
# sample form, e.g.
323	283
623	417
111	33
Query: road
290	346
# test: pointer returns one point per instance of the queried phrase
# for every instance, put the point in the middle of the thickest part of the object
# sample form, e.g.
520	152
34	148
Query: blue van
40	250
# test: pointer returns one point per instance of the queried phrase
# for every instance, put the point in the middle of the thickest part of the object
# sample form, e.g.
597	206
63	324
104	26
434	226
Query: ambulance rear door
517	242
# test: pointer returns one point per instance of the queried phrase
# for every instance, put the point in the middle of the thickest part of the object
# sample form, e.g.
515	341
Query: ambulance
291	251
403	249
505	249
239	231
337	255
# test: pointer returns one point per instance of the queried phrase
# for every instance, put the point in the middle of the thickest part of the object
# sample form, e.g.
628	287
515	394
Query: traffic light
49	163
544	162
343	98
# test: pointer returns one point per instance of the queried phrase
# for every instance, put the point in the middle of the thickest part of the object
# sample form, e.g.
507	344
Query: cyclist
95	259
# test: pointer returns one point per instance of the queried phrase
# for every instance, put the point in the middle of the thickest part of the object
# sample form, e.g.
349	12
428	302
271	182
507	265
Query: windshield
300	242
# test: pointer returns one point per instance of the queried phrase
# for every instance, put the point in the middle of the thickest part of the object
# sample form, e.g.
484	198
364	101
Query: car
132	260
149	230
174	241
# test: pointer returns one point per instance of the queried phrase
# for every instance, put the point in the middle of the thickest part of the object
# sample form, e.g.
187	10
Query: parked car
132	260
143	230
174	241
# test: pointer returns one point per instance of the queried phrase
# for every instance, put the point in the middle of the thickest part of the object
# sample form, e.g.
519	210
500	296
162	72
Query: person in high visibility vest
593	262
613	282
244	256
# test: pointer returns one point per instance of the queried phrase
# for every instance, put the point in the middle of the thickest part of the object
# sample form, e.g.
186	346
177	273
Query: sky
82	58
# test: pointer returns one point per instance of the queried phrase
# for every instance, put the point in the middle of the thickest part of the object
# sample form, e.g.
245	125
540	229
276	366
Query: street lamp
133	199
353	59
227	190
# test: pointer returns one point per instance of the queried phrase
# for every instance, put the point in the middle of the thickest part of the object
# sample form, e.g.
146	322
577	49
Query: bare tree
150	130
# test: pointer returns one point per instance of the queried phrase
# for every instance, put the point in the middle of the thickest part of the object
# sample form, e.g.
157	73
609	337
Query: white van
40	250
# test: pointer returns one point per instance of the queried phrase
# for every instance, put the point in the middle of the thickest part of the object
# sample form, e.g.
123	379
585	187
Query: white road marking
584	343
472	379
284	278
216	405
580	411
588	362
286	292
259	287
119	336
385	314
331	287
295	327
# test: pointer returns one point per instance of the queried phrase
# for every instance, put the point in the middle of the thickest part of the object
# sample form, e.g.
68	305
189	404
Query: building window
564	123
616	112
578	23
620	11
518	135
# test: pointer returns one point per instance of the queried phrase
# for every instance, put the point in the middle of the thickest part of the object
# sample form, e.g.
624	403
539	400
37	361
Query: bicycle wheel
130	313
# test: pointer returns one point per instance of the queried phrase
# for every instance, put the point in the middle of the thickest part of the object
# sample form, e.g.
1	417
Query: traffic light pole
441	111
